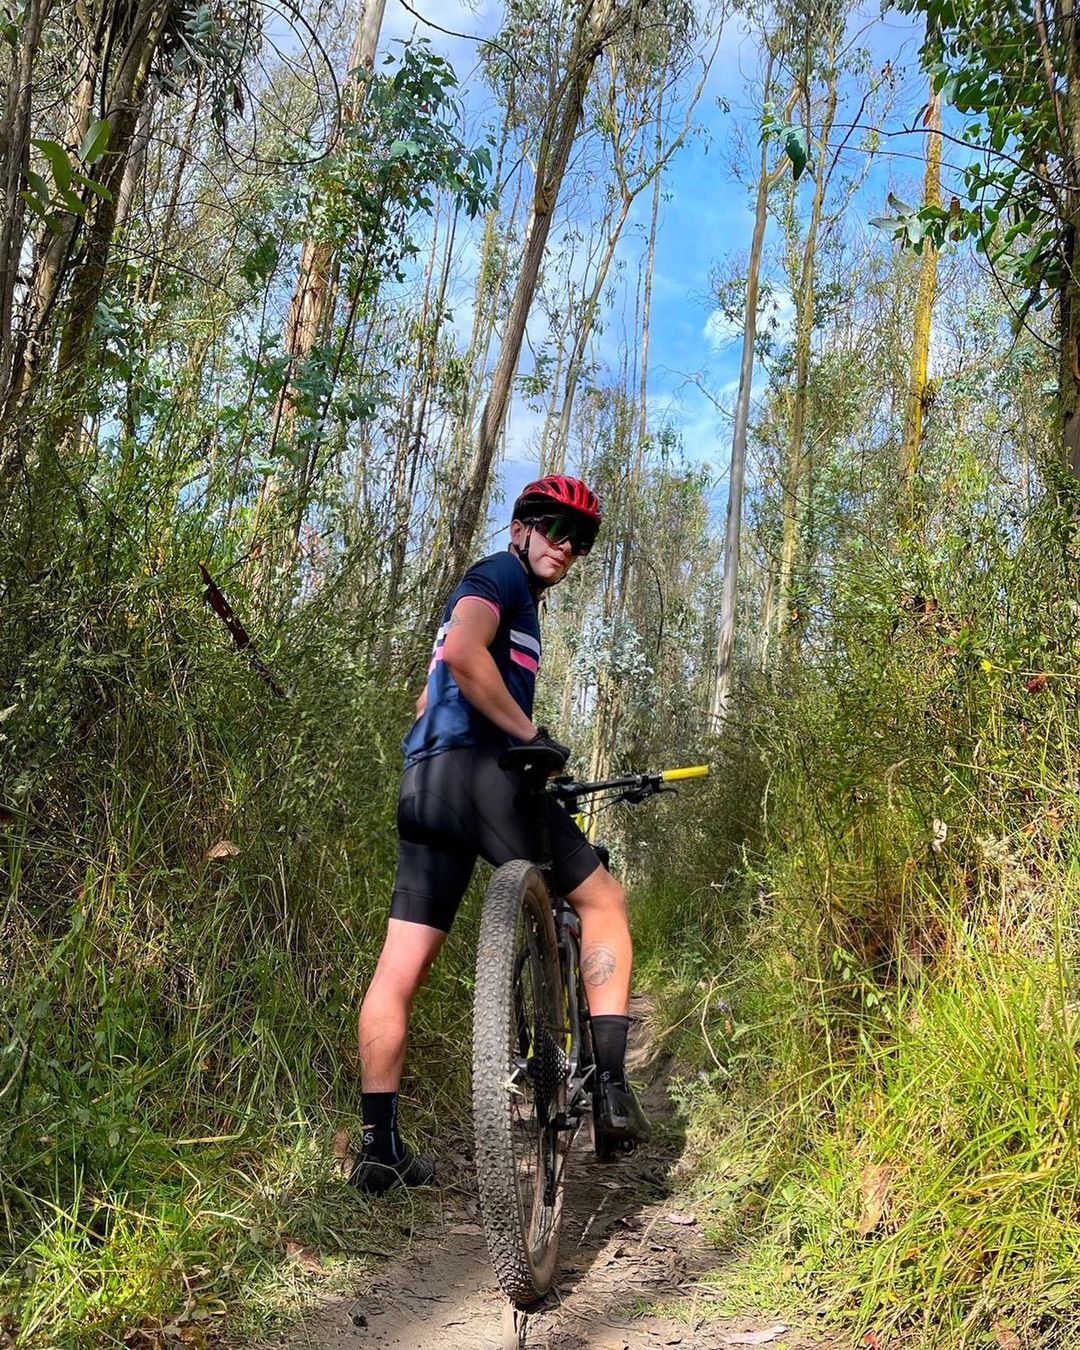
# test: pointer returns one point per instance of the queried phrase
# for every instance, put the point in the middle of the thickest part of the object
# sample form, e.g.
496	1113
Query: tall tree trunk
920	337
15	127
308	314
798	483
583	331
729	594
594	25
646	304
415	423
124	98
182	161
136	163
1069	368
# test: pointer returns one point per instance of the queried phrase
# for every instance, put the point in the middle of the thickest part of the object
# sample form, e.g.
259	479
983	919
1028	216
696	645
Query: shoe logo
368	1138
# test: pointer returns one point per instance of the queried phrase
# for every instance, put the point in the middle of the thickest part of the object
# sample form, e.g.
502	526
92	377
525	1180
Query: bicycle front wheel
519	1081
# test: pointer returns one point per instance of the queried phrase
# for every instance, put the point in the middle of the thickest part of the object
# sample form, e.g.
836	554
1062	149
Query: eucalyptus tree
832	70
1013	74
556	67
57	235
643	102
769	174
908	467
310	309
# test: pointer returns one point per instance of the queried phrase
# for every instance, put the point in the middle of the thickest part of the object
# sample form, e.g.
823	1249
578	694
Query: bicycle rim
519	1076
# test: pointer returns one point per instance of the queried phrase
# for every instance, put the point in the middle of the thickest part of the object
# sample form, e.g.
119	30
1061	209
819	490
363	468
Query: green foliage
46	202
791	138
887	1064
990	62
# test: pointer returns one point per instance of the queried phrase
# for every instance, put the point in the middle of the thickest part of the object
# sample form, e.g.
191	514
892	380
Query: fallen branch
216	600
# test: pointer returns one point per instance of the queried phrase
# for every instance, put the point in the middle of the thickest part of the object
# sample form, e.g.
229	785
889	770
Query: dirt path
626	1245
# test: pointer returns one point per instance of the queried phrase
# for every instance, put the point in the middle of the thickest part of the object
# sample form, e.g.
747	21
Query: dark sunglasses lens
579	534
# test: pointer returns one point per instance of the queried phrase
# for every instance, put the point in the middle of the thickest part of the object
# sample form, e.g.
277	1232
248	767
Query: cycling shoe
374	1176
621	1123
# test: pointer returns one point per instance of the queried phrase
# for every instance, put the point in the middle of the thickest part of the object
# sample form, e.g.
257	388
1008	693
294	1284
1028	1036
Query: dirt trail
626	1244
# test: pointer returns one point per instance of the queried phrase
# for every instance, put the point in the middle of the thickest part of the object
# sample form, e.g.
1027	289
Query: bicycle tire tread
492	1117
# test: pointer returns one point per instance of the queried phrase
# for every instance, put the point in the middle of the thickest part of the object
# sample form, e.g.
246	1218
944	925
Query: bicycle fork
578	1095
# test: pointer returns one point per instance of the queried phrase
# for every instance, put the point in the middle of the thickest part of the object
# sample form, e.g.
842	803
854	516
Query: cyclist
456	804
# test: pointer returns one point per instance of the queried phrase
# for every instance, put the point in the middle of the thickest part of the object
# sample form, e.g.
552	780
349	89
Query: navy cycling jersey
449	721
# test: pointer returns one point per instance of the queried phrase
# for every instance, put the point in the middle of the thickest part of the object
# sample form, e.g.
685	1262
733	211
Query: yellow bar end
676	775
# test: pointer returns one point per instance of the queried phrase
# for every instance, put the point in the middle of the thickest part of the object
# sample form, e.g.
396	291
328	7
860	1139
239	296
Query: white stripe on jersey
524	640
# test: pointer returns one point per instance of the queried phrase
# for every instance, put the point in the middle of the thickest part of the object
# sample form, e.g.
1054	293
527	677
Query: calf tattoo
598	965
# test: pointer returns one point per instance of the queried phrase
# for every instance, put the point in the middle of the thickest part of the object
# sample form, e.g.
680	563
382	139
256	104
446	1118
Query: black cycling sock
381	1139
609	1043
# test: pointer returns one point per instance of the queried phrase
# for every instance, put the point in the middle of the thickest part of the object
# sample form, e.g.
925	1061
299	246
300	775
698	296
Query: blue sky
707	213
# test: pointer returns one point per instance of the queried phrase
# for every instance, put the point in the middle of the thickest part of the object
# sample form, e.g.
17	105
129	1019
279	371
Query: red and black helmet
556	492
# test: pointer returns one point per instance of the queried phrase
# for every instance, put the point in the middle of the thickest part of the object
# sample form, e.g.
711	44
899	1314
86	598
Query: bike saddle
531	759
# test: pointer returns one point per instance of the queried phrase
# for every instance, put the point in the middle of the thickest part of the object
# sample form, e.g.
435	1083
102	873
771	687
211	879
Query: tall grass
177	1028
885	1104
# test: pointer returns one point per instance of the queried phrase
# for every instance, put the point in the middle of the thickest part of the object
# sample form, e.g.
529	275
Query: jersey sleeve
497	581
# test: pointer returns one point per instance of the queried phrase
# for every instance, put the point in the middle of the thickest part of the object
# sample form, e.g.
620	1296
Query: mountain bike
533	1072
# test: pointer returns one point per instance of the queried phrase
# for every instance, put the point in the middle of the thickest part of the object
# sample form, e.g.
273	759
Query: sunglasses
579	534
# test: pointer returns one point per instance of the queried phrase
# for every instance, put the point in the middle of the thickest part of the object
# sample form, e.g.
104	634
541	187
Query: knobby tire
519	1082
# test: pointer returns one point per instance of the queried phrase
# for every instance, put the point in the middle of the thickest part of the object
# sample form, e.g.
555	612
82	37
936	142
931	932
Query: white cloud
777	314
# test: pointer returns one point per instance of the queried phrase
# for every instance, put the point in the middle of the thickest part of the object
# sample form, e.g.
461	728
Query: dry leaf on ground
875	1196
222	849
757	1337
341	1150
295	1251
680	1218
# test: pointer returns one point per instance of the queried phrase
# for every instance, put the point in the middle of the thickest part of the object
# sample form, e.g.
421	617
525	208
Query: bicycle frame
533	1067
630	788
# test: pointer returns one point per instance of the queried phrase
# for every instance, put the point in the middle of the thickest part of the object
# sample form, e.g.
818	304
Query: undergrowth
879	1022
196	875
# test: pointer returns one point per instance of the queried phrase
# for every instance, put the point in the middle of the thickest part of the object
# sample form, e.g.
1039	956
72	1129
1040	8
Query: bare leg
606	959
403	966
606	950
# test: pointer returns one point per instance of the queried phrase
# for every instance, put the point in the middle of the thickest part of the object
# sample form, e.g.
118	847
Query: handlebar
633	787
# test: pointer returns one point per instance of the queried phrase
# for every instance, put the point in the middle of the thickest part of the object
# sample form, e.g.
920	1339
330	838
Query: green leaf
73	202
796	149
58	159
35	203
92	185
96	141
915	228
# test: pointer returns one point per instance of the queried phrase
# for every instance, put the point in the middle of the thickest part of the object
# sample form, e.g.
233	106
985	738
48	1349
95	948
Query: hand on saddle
544	739
542	754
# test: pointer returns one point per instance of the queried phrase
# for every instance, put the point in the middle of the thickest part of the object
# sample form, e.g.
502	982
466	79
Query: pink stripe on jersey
521	659
490	603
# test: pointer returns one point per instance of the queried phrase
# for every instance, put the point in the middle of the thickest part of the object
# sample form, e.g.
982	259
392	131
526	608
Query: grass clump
177	1062
884	1078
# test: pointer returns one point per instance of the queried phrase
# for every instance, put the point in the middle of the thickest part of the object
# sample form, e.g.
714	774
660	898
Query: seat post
533	799
531	766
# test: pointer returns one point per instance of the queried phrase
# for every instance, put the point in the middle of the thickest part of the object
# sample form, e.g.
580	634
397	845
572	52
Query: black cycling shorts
457	806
